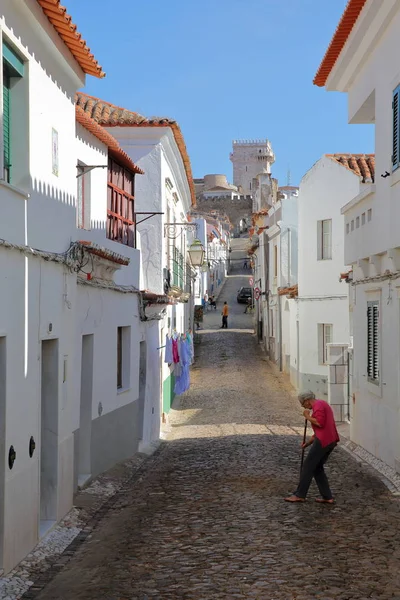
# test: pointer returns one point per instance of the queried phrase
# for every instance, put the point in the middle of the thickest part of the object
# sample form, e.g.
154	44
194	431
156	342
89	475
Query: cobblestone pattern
91	504
207	520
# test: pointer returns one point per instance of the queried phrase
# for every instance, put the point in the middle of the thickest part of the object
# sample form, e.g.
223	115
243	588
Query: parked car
243	295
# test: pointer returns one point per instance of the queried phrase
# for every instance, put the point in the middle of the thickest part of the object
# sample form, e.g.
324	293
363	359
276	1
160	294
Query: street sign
257	293
251	282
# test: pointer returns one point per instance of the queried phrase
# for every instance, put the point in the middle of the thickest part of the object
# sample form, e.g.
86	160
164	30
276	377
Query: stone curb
64	558
373	465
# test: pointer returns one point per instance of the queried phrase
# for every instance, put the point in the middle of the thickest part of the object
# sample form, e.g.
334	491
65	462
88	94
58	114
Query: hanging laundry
191	345
182	381
175	352
168	351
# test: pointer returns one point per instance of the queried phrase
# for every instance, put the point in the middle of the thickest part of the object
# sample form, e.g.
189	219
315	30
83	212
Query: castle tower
249	158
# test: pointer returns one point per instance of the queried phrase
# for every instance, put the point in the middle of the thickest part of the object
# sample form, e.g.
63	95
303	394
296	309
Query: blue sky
225	69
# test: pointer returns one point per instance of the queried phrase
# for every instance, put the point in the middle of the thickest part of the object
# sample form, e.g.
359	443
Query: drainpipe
289	232
279	299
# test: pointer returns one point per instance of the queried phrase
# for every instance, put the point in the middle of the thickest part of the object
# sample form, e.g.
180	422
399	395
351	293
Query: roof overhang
67	30
358	33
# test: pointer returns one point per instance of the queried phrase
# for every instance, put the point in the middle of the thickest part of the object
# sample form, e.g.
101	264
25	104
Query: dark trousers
225	322
314	467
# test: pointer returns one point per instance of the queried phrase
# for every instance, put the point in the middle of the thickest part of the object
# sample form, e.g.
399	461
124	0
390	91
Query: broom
303	449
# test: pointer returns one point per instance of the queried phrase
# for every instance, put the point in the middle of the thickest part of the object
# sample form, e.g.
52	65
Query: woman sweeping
324	440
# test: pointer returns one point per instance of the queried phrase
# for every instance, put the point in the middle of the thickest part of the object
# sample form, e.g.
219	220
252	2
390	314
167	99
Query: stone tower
250	158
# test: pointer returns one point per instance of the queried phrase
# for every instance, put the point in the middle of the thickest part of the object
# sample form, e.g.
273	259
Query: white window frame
324	243
325	337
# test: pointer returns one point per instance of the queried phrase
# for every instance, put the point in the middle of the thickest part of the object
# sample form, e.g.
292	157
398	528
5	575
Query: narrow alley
208	521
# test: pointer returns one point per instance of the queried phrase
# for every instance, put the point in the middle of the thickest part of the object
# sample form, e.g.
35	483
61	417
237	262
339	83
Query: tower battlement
261	142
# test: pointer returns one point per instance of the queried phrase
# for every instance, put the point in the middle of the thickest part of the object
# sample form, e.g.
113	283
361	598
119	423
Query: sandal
324	501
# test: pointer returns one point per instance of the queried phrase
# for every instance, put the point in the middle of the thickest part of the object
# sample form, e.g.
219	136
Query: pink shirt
327	432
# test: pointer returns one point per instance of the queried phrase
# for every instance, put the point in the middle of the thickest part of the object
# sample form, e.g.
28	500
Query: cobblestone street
206	519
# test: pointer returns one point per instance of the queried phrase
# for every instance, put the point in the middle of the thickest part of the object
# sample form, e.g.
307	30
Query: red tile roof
62	23
109	115
104	136
343	30
292	291
362	164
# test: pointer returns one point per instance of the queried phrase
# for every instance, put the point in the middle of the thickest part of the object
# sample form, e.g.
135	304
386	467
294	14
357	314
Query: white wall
33	290
370	79
323	299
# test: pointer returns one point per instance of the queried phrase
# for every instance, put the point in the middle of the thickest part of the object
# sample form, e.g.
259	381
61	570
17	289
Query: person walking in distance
225	313
324	440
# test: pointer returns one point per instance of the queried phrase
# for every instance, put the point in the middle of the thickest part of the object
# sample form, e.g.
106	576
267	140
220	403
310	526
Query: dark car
243	295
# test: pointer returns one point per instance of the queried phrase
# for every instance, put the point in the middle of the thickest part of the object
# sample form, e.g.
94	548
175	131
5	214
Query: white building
249	158
322	303
109	346
362	61
164	196
265	195
68	389
282	271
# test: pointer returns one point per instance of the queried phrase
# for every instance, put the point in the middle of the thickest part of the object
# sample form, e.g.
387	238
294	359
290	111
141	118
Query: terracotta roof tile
62	23
292	291
110	115
362	164
343	30
104	136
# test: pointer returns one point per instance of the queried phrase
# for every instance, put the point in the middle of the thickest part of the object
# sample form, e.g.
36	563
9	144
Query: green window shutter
396	129
14	64
6	126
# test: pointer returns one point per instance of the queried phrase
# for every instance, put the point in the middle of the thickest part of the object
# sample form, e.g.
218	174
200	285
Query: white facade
367	69
323	315
164	188
60	408
282	268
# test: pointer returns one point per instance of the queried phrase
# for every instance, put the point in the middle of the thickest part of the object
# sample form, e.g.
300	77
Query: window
123	357
373	342
352	225
363	219
120	204
250	184
357	222
369	214
325	336
347	228
83	198
396	129
324	229
13	67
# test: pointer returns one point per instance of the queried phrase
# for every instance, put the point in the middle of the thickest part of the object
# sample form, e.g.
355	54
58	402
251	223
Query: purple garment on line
168	351
175	352
182	381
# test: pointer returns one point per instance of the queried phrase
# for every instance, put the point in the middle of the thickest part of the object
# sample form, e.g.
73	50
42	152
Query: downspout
279	301
289	232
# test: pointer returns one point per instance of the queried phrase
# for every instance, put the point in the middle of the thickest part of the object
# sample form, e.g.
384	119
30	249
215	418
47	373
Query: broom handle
303	449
